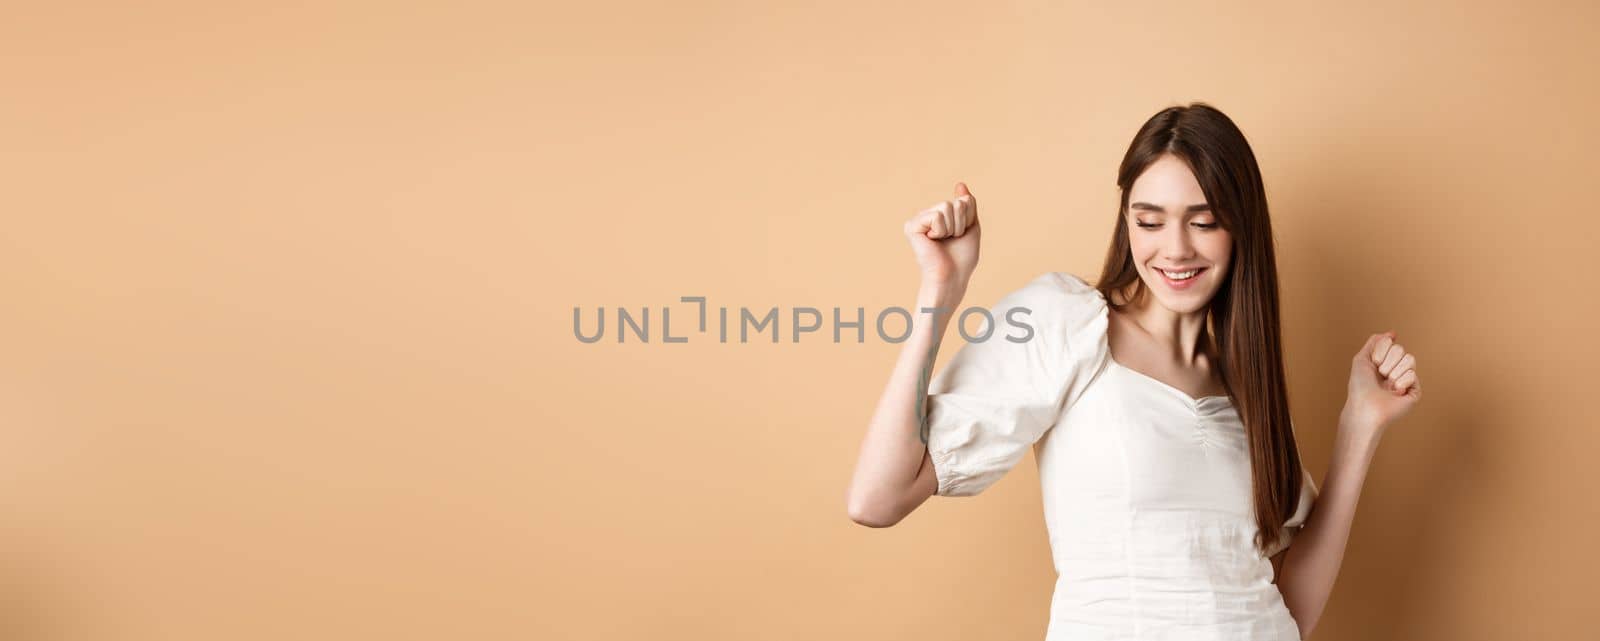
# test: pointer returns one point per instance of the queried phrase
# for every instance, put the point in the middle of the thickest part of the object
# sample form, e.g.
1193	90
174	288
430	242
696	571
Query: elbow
1306	627
874	512
1306	621
1304	618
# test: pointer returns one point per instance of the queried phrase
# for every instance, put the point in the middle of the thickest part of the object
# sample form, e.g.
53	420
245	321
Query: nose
1177	246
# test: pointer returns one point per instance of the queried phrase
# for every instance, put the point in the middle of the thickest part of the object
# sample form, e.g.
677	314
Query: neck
1180	334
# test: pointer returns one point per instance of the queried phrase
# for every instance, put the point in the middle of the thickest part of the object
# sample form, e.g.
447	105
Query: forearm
1312	562
896	440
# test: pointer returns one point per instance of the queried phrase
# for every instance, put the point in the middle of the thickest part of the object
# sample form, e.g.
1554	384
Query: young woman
1154	401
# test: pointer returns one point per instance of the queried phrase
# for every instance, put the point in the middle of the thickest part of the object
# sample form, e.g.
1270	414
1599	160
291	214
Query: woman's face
1171	228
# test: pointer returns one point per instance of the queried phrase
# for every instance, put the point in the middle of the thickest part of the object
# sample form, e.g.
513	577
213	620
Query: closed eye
1205	226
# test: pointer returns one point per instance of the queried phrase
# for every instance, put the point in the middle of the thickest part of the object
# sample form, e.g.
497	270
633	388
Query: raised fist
945	239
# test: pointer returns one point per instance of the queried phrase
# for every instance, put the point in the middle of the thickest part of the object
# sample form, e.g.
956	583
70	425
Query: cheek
1140	248
1220	249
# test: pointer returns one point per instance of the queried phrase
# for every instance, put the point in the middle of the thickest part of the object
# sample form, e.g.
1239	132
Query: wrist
1354	425
935	293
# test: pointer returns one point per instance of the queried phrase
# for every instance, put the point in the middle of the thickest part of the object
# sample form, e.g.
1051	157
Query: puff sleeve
996	398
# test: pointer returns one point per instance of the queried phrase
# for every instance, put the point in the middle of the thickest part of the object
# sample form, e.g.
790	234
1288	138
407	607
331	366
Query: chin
1195	299
1189	306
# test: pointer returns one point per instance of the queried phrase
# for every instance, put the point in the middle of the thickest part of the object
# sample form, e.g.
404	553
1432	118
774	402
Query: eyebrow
1149	207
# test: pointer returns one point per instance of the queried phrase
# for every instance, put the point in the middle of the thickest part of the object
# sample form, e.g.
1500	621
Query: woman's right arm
894	473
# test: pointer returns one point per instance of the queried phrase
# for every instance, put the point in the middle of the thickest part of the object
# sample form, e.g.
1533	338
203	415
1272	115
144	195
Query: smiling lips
1180	283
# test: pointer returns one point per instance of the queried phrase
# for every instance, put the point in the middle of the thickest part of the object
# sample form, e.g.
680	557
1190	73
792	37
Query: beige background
288	292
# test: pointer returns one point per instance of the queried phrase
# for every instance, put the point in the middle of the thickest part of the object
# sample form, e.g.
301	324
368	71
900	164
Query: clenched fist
945	239
1383	383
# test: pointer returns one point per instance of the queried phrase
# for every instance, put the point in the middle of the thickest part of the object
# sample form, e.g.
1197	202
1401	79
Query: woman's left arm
1383	388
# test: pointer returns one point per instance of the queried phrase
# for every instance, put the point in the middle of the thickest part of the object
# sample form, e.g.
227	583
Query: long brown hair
1243	329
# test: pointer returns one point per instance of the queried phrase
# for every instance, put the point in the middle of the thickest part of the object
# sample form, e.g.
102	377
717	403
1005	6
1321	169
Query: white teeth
1180	275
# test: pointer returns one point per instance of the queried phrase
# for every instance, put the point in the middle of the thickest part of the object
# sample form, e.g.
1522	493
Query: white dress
1147	491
